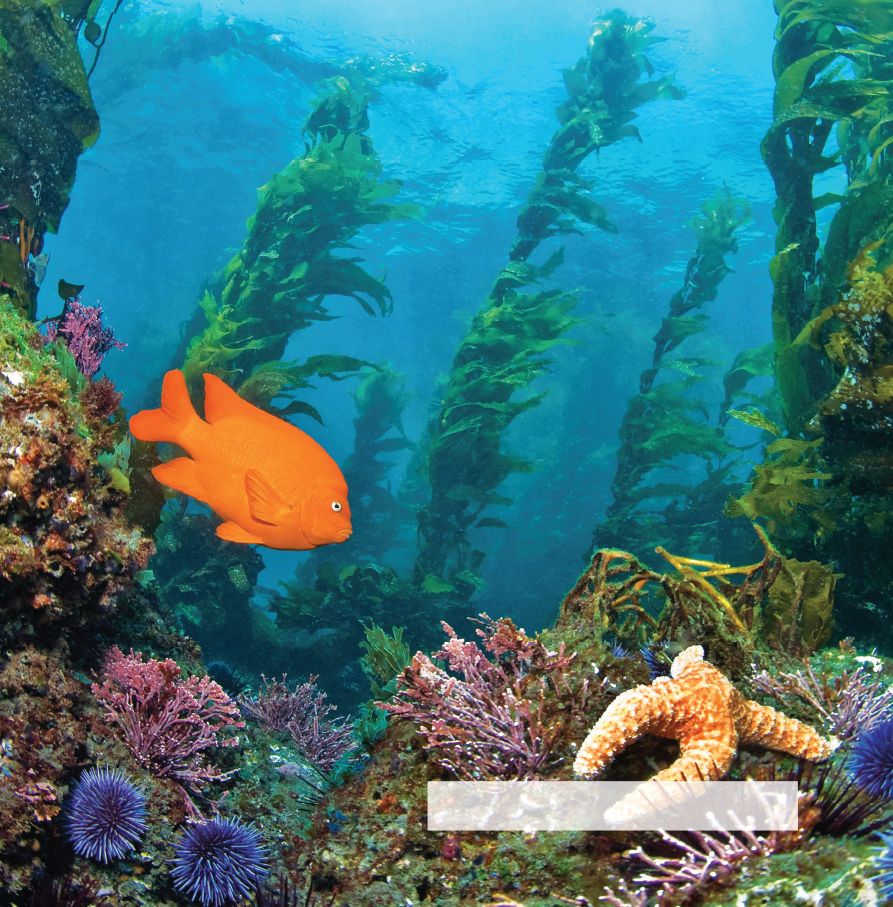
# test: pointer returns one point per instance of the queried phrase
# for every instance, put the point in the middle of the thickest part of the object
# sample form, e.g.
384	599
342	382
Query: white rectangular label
612	805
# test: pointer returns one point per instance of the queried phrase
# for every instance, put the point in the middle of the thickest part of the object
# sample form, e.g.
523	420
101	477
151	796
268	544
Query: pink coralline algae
489	718
80	327
168	721
302	712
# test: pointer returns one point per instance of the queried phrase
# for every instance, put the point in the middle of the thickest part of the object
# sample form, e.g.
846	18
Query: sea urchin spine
106	815
219	861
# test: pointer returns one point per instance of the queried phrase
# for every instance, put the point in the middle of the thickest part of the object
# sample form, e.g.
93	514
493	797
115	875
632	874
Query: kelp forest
749	510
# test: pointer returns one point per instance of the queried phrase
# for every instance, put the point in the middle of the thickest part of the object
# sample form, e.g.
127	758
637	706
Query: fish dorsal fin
233	532
264	504
222	402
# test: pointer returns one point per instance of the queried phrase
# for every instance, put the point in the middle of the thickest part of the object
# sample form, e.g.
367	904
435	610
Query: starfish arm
770	728
704	759
628	717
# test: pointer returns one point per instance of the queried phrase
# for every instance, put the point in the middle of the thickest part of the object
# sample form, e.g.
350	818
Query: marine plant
47	120
831	69
722	215
490	716
322	612
81	329
219	862
850	701
105	815
666	428
169	723
302	713
515	329
212	601
278	283
377	513
823	488
163	39
688	863
386	656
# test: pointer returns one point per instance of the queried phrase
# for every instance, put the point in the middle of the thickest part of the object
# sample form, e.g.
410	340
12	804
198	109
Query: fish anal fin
181	474
264	504
233	532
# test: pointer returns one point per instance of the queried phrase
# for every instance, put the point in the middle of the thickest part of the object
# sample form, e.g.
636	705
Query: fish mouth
344	534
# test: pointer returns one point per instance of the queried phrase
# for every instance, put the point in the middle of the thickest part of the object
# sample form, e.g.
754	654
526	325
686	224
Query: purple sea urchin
871	761
219	861
106	815
885	862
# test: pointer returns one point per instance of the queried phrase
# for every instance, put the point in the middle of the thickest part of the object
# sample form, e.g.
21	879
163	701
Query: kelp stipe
666	421
826	491
377	513
277	284
510	337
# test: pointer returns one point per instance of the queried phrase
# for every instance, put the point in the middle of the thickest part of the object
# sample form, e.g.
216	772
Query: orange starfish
699	707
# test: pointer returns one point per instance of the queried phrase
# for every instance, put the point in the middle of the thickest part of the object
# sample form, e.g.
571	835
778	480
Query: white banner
612	805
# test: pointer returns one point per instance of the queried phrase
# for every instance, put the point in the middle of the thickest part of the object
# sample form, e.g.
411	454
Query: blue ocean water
191	129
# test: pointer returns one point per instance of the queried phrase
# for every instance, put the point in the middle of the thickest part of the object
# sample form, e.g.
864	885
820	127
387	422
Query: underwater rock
67	550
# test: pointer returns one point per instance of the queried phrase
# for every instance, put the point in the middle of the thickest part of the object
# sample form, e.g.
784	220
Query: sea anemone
106	814
871	761
219	861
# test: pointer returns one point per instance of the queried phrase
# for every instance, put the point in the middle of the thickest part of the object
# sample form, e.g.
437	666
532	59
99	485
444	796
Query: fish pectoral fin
233	532
264	504
181	474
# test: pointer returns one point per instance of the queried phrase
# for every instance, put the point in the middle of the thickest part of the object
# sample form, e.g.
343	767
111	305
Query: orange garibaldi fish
271	482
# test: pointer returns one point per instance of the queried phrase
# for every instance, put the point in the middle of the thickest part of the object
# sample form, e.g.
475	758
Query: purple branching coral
168	722
487	719
81	329
850	702
302	713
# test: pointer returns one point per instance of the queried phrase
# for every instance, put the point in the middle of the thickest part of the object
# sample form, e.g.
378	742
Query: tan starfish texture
698	706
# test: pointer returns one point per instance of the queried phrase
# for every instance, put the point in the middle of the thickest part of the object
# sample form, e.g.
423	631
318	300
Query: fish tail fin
170	422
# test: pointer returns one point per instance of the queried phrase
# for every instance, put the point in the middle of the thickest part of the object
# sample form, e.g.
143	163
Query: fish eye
336	506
